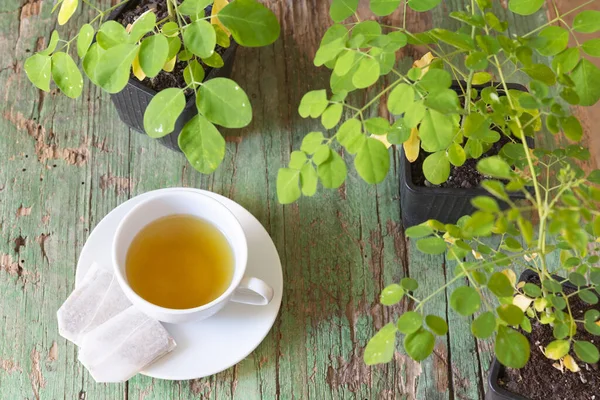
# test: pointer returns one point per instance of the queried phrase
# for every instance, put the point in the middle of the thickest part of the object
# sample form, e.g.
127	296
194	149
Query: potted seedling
543	325
454	106
166	64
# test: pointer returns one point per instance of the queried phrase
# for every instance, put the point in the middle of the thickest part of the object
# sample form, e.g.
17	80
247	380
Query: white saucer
206	347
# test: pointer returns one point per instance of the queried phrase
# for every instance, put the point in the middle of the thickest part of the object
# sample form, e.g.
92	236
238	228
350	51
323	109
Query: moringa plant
426	115
484	285
149	46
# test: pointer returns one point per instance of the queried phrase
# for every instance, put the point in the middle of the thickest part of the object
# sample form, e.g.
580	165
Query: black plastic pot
447	205
495	391
132	101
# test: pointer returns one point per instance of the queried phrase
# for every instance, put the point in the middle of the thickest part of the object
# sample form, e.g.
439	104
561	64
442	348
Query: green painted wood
67	163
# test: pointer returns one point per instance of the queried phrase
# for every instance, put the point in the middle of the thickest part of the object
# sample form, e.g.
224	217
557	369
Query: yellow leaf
218	5
382	139
424	63
540	304
570	363
523	302
137	69
412	145
128	28
170	65
512	277
67	9
448	238
477	255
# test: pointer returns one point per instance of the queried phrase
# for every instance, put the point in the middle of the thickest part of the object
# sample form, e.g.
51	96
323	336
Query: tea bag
95	301
122	346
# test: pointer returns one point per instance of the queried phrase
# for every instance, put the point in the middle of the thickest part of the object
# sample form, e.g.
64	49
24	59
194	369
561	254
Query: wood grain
67	163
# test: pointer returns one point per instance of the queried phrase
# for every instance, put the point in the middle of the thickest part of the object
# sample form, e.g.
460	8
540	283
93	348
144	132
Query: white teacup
243	289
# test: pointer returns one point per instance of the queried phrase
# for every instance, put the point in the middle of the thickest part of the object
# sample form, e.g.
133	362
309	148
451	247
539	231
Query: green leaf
399	132
532	290
193	8
476	61
251	24
332	172
378	126
38	70
495	167
586	351
510	313
222	37
153	54
587	82
297	160
342	9
113	67
588	297
90	61
431	245
409	284
418	231
288	185
572	128
391	294
592	47
311	142
525	7
419	345
202	144
308	180
170	29
437	325
458	40
162	112
321	154
567	60
350	136
445	101
224	103
185	55
382	8
193	73
500	285
542	73
345	62
397	41
414	114
400	98
484	325
423	5
436	131
587	21
112	34
369	29
485	203
381	347
313	104
141	26
332	44
557	349
332	116
435	80
512	348
84	39
554	40
410	322
66	75
465	300
53	42
456	155
366	74
436	167
67	9
594	176
200	38
372	161
215	60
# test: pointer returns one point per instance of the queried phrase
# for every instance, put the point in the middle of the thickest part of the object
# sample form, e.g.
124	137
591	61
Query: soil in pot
539	380
164	79
464	177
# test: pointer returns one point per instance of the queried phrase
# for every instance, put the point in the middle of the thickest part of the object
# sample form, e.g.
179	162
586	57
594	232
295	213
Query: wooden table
66	163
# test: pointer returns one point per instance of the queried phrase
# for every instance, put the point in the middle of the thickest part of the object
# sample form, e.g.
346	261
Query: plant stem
558	17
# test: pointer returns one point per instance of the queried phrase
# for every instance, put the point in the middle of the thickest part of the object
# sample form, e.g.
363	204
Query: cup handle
253	291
